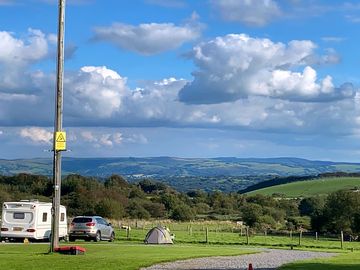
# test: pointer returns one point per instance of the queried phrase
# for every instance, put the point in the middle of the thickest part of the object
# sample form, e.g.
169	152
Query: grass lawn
105	255
346	261
228	238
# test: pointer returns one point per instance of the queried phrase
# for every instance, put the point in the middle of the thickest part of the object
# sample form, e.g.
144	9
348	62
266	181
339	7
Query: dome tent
158	235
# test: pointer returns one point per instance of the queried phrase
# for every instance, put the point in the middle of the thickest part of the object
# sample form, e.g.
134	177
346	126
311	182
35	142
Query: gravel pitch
269	259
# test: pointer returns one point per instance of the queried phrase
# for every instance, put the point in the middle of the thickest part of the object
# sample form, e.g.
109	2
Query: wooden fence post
342	239
207	235
316	236
247	235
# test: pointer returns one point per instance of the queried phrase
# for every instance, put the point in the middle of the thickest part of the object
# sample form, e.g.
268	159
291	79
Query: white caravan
30	219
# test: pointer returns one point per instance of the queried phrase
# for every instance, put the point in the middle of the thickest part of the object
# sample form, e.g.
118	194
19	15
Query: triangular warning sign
60	138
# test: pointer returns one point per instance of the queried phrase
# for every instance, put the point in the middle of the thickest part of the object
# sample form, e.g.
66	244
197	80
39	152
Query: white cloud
95	91
36	134
238	66
250	12
137	138
110	139
88	136
19	52
150	38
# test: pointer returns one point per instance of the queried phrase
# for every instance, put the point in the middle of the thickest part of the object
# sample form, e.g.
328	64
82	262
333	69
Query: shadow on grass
321	266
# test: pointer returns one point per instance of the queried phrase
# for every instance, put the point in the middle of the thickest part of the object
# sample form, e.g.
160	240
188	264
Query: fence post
316	236
291	235
207	235
342	239
247	235
265	235
128	232
300	236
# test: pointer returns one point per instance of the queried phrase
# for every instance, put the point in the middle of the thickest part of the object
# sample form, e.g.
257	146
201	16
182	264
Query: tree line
115	198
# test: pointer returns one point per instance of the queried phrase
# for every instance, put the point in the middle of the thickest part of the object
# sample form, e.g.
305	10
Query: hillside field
309	188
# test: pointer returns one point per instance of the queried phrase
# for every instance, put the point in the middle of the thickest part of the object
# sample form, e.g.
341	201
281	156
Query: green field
308	188
222	236
129	253
347	261
116	255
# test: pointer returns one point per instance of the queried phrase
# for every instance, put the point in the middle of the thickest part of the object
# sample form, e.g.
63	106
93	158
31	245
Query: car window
105	222
82	220
99	220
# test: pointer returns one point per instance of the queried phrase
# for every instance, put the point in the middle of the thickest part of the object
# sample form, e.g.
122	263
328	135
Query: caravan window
62	217
19	215
44	217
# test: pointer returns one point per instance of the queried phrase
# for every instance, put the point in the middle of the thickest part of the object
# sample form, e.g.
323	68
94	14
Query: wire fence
236	234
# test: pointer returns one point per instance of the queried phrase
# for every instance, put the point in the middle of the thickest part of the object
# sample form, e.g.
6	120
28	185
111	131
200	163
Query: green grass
308	188
105	255
346	261
231	238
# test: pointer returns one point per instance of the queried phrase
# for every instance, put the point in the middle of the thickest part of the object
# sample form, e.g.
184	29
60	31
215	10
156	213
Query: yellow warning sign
60	141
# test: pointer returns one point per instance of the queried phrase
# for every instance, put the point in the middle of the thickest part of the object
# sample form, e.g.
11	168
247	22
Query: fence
232	233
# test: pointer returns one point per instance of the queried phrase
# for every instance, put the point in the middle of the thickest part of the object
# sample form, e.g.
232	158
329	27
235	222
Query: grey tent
158	235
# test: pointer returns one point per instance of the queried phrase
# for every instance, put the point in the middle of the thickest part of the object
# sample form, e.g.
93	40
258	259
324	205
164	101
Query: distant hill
307	188
225	173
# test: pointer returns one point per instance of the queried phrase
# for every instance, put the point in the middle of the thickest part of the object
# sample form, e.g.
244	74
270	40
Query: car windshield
82	220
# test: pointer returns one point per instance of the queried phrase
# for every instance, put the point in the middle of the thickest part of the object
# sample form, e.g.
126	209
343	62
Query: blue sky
206	78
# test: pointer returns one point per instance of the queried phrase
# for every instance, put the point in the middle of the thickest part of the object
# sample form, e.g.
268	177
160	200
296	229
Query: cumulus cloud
237	66
100	139
17	55
36	134
250	12
19	52
111	139
150	38
95	91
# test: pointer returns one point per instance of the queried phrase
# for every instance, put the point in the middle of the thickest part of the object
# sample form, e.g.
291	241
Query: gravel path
270	259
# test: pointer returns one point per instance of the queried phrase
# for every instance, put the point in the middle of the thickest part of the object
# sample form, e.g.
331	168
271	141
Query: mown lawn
346	261
105	255
229	238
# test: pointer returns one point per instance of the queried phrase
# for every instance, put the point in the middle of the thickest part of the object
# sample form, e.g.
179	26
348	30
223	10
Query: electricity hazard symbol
60	141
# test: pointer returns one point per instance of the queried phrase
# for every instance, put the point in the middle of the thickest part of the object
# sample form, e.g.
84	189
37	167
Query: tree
109	208
341	210
312	206
182	212
251	213
136	210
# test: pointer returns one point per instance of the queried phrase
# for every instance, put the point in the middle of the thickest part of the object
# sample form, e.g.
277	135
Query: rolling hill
224	173
308	188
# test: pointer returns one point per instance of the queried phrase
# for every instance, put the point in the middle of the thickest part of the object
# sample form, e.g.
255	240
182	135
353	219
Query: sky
204	78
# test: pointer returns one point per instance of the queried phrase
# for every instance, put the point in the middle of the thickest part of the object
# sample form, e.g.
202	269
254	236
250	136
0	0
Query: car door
107	228
101	227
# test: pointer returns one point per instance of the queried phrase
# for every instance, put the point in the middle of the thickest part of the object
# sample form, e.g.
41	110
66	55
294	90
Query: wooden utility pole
58	130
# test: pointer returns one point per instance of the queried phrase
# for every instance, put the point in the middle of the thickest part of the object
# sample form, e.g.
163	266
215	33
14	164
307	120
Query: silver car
91	228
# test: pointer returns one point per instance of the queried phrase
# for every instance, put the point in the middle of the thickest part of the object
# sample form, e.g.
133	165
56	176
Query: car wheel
112	237
71	239
97	236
